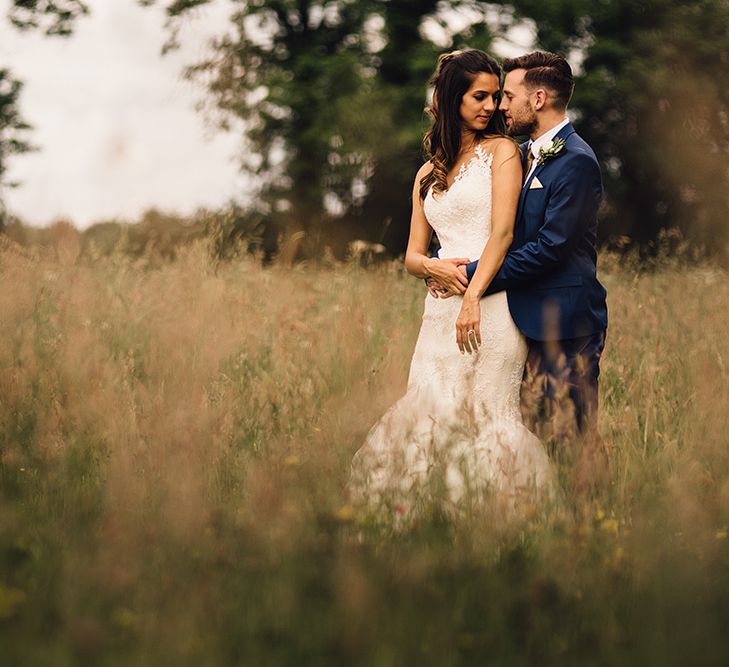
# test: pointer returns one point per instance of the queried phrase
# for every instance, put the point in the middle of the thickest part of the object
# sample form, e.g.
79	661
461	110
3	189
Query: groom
550	271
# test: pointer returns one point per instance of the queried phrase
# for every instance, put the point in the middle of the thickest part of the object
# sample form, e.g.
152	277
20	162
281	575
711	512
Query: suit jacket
549	273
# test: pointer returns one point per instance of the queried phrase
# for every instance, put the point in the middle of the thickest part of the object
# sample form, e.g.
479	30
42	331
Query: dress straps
483	155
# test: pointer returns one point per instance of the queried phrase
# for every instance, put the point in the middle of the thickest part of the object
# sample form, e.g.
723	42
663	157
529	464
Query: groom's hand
436	290
448	273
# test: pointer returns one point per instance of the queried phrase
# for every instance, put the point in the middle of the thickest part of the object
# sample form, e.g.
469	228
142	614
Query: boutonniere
550	150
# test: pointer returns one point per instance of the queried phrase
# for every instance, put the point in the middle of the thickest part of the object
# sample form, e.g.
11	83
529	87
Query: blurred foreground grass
174	441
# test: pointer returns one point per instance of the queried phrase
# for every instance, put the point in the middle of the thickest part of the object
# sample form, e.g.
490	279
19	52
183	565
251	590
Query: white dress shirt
542	139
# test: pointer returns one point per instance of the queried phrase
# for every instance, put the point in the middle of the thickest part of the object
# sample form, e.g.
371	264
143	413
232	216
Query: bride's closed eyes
482	96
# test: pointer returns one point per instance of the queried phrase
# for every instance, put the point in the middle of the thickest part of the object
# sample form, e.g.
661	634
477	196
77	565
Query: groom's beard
519	129
525	125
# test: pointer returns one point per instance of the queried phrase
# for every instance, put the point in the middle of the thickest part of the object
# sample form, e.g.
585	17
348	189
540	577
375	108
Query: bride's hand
447	273
469	320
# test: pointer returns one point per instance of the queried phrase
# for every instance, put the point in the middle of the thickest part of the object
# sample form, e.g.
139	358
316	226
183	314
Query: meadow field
175	436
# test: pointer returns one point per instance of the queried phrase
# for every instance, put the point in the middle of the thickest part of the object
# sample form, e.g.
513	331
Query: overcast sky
114	121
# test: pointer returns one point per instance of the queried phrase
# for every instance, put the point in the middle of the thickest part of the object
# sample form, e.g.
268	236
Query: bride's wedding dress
460	415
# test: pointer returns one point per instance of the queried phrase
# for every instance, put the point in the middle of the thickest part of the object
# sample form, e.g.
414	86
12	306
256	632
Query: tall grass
175	438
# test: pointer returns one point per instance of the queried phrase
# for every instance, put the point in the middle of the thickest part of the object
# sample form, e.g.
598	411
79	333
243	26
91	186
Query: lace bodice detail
461	216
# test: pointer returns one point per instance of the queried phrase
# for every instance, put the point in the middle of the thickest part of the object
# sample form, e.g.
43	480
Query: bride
460	416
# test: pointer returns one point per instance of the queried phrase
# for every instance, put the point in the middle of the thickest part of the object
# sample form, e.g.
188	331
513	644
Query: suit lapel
523	150
562	134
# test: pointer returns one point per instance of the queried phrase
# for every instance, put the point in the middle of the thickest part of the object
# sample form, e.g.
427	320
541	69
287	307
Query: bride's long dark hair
453	76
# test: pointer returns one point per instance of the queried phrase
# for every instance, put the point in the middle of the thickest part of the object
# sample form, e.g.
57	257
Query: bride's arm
506	186
417	262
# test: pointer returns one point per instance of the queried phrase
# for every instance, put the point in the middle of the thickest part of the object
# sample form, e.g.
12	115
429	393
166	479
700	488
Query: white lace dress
459	421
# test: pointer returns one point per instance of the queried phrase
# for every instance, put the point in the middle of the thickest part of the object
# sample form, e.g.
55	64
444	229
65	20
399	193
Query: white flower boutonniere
549	150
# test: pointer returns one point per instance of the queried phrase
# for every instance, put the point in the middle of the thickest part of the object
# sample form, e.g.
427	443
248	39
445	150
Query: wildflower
10	601
124	618
292	460
721	534
401	508
610	526
344	513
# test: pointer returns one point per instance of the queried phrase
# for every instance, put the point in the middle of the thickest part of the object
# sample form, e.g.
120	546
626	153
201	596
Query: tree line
331	96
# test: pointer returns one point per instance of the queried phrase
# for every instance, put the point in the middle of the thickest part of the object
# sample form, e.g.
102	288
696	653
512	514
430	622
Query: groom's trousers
562	378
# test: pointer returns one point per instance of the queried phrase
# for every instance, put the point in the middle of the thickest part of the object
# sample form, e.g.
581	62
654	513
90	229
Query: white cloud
114	120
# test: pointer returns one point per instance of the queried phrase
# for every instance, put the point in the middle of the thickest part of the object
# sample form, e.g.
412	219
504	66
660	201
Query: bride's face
480	102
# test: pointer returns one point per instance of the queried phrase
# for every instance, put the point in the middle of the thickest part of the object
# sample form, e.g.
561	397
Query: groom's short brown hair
548	70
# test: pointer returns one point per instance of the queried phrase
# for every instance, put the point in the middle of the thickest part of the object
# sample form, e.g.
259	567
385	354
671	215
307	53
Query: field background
175	436
183	382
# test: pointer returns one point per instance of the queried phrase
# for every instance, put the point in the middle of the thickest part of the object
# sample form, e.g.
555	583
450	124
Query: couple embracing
512	292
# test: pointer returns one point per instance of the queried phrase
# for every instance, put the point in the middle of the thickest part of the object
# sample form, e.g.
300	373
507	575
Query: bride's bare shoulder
424	170
501	147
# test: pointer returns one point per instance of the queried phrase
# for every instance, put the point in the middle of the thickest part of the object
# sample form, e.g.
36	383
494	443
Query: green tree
394	137
283	71
385	121
13	129
653	102
337	89
54	17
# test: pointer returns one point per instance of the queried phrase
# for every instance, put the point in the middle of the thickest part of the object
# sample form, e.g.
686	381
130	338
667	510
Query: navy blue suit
549	273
